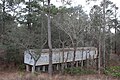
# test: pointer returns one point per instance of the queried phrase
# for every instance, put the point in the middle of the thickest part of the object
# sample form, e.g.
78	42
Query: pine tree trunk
104	24
99	55
49	42
115	31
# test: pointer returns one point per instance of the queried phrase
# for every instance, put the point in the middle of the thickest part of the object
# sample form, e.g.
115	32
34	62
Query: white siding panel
57	56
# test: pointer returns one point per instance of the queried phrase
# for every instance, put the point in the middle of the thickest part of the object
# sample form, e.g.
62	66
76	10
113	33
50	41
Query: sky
85	5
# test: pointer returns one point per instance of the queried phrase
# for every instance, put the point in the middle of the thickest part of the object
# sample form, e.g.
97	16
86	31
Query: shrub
13	55
21	67
77	70
113	71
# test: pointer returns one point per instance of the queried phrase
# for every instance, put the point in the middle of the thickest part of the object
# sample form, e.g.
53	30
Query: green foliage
21	67
113	71
13	55
54	10
78	70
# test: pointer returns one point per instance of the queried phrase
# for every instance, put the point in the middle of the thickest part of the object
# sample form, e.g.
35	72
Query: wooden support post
38	68
86	60
66	65
57	66
81	63
93	61
27	68
89	60
33	69
43	68
77	64
53	67
71	64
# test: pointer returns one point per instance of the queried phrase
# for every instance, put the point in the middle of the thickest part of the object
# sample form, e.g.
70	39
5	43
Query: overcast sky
85	5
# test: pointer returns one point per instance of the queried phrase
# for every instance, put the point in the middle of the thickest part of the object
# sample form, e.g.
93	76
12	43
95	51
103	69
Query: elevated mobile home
60	56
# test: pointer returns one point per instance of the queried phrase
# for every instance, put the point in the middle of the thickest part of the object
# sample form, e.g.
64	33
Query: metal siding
57	56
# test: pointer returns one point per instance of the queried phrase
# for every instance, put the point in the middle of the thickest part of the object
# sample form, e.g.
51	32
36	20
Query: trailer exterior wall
81	54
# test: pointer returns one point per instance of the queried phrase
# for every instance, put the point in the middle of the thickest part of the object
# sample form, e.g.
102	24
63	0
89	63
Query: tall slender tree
49	41
104	25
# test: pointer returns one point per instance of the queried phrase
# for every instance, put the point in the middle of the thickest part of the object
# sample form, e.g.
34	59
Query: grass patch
79	71
113	71
21	67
